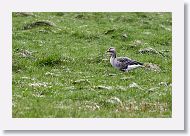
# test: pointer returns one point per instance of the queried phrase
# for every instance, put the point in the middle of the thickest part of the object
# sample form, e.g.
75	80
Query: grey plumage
122	63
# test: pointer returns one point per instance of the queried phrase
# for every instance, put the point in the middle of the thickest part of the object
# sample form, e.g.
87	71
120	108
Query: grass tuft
49	60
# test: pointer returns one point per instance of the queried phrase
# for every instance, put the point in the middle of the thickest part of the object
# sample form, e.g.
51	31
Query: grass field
60	67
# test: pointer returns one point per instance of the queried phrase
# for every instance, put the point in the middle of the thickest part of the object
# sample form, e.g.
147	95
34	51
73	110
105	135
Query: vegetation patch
60	68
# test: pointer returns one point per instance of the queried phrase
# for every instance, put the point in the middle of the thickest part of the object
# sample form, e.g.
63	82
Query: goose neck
113	55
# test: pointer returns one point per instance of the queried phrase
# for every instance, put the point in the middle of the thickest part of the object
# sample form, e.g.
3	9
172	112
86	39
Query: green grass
60	68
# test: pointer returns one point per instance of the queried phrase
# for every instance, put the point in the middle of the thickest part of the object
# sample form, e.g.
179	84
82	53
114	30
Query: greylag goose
122	63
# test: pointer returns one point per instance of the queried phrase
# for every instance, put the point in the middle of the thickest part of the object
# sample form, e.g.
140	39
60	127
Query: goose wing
125	62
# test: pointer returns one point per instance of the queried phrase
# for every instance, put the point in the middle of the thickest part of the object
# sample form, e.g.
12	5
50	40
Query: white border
174	123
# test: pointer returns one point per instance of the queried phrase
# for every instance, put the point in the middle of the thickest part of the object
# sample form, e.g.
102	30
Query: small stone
163	84
137	42
114	100
81	81
111	74
134	85
124	36
25	53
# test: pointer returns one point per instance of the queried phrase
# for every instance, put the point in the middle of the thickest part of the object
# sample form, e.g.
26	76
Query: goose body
122	63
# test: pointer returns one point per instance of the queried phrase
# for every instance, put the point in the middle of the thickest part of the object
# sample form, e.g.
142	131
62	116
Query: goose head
112	52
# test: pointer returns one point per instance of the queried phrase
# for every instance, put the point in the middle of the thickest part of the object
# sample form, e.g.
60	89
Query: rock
153	67
148	50
38	23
